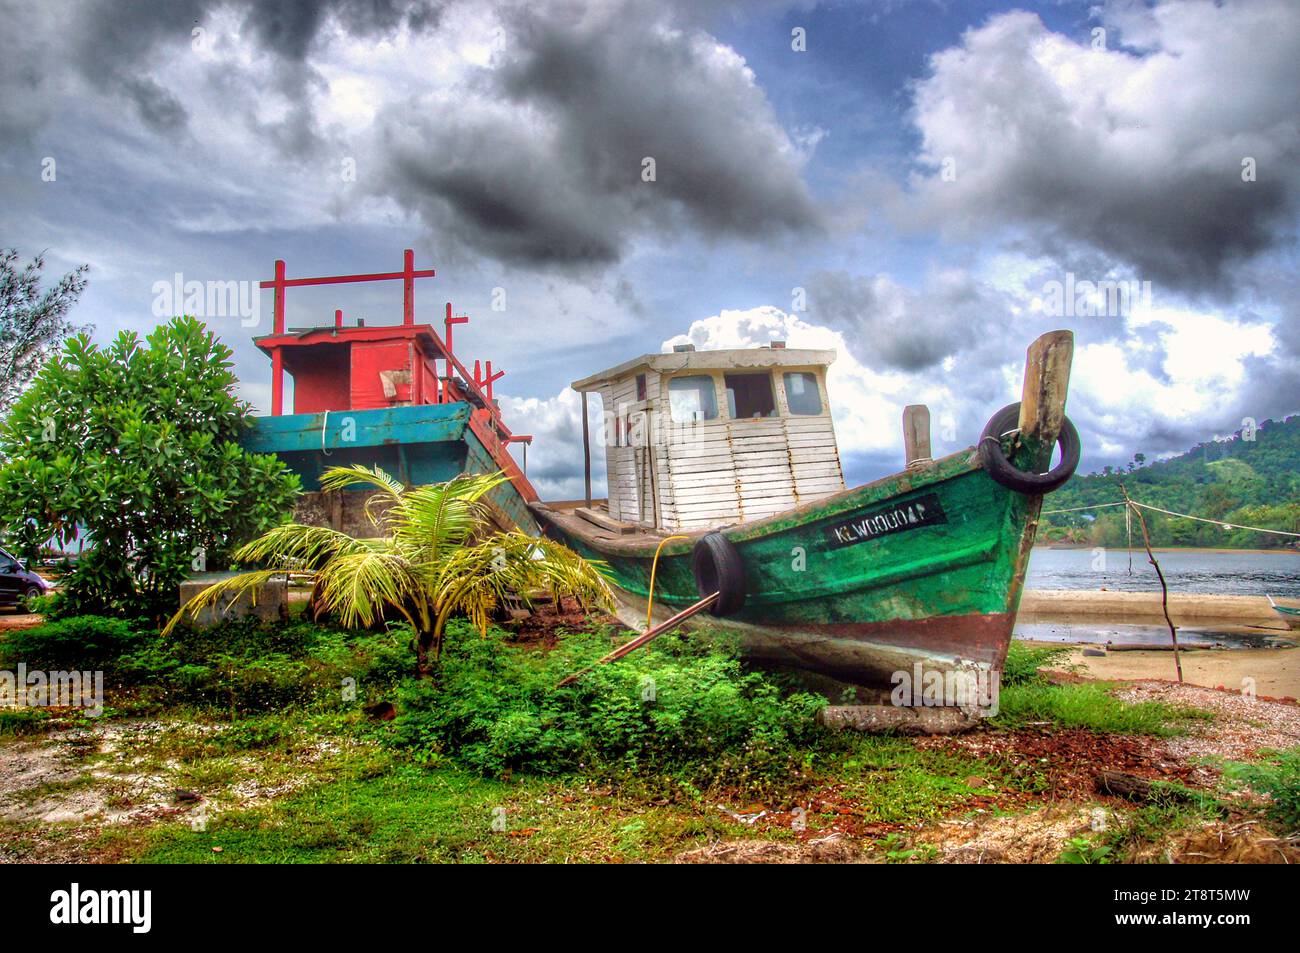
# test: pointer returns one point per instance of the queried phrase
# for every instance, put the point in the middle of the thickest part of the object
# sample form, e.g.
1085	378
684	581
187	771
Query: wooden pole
408	286
586	449
1164	589
1042	400
643	639
916	434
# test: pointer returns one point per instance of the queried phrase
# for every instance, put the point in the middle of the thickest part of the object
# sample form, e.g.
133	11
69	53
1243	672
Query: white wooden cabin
695	439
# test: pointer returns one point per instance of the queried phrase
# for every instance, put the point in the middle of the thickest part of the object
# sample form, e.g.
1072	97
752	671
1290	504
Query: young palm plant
439	555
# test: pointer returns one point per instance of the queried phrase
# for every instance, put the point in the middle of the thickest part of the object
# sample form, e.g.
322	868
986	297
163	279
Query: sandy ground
1266	672
1102	605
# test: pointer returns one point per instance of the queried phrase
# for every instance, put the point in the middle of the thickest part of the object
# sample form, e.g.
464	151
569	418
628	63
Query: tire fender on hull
717	566
1001	469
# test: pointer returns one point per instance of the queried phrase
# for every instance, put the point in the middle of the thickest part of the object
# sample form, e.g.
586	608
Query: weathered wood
586	449
1042	400
597	518
1123	784
896	719
916	434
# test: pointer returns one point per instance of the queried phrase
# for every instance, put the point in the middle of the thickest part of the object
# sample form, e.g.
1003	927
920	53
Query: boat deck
603	527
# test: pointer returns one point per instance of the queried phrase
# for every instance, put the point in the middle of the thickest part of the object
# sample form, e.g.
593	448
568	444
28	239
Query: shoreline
1264	673
1207	550
1144	608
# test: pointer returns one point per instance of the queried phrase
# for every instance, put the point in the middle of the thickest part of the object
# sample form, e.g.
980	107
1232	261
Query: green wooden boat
1288	614
924	566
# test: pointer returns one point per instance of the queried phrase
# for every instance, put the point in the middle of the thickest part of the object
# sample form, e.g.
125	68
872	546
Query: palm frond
357	587
234	587
300	547
474	579
339	478
433	520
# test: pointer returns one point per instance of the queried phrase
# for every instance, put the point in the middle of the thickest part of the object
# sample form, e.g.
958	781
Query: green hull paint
945	593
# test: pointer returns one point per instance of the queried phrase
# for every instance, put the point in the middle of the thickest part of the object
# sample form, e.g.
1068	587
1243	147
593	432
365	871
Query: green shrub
1277	776
22	721
238	666
679	705
76	643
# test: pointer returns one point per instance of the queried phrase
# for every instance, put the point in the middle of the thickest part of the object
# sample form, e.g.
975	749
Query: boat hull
419	444
925	566
1289	616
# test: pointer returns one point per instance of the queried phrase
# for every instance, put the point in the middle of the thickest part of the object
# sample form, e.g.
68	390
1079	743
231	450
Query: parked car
17	584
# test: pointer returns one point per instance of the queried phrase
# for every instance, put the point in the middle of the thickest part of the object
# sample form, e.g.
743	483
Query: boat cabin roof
718	360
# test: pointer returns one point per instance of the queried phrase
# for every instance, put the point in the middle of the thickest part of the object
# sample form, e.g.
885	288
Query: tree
437	557
33	326
135	446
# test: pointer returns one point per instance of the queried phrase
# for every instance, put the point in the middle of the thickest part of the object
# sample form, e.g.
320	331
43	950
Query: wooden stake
916	434
645	638
1164	589
1042	400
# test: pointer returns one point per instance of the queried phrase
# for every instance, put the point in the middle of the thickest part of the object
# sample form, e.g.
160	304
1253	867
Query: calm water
1232	573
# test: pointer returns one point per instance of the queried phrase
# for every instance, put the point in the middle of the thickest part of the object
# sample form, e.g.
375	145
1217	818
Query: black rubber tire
718	568
31	592
997	465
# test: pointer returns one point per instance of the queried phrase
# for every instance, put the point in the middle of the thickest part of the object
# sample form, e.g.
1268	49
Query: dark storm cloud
891	327
1137	155
541	162
112	46
537	161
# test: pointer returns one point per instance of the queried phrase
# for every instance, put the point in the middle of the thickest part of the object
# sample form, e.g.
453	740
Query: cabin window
692	398
801	393
640	387
750	396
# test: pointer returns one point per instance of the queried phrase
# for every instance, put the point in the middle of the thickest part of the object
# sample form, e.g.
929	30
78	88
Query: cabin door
643	469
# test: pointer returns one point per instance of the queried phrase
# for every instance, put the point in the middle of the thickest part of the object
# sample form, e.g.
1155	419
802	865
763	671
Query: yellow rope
654	568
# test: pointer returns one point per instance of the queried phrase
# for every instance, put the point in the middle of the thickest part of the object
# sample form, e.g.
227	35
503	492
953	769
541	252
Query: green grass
1023	661
1277	776
491	763
22	721
1091	705
384	811
895	783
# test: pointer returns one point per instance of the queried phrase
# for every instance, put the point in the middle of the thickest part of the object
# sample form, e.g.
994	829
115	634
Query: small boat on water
726	486
1288	614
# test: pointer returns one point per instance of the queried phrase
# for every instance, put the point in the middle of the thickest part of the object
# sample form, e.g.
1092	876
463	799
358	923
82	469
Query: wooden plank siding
672	475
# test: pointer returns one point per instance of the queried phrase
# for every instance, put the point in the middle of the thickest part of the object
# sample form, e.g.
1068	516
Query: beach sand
1143	608
1275	671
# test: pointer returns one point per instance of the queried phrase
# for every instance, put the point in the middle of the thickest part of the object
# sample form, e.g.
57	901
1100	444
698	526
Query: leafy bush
137	445
1277	776
22	721
238	666
76	643
679	705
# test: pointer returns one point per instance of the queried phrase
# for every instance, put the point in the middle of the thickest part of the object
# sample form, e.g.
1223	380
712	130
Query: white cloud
1137	155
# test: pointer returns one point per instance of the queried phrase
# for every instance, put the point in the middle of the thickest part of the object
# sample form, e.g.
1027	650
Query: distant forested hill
1239	480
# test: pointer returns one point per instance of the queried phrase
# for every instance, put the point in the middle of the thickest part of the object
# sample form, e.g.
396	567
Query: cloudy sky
911	182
